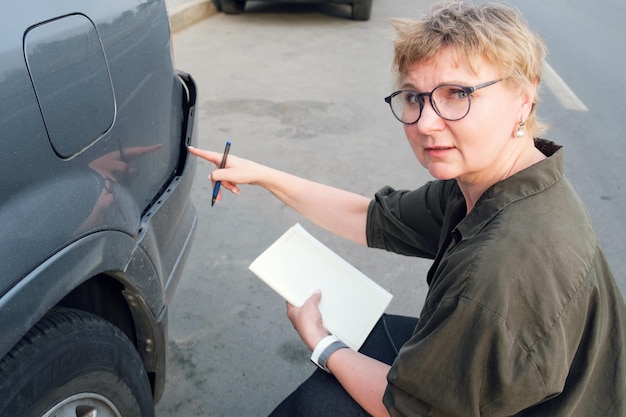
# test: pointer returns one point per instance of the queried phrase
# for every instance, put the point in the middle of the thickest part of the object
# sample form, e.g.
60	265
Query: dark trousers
322	396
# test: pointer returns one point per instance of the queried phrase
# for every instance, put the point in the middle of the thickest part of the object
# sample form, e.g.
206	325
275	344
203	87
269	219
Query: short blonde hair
495	32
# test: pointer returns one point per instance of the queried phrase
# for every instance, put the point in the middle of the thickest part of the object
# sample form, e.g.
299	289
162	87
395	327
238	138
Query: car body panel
94	124
76	189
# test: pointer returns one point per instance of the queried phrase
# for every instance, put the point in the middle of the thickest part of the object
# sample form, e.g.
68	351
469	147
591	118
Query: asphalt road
301	87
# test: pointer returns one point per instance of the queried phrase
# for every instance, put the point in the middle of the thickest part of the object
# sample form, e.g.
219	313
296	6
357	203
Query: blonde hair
493	31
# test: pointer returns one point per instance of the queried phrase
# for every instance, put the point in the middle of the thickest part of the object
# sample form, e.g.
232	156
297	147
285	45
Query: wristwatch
326	347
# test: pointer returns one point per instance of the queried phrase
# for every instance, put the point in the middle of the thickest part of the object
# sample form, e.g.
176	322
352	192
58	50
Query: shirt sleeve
408	222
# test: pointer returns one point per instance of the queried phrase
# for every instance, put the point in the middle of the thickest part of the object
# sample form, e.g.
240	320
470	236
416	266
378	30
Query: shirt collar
532	180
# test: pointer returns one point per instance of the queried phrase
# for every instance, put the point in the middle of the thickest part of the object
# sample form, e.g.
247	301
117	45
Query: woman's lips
438	151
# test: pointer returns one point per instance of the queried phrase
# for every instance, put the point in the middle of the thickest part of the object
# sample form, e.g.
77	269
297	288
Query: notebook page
297	264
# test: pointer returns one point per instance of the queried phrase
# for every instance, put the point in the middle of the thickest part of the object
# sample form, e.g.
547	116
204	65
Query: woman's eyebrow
410	86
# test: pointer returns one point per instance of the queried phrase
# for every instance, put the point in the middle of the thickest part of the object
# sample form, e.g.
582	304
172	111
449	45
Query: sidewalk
184	13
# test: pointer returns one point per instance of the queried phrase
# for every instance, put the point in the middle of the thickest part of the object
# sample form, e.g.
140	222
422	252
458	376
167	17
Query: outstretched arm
341	212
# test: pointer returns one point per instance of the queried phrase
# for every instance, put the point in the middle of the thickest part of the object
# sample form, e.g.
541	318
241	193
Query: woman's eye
457	94
412	98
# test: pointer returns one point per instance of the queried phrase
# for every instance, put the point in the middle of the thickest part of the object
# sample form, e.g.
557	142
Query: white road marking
563	93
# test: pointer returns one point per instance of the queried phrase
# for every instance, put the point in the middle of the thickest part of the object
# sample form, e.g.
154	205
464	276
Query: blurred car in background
95	216
361	9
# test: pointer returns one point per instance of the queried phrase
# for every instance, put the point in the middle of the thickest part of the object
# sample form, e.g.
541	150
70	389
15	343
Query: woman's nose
429	119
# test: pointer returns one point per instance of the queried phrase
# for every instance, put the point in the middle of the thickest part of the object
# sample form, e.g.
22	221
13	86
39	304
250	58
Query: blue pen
216	187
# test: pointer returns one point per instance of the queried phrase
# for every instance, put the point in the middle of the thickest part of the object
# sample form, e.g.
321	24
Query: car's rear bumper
174	212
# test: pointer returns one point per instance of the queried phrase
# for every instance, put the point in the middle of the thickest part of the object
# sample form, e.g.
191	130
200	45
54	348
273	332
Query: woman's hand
237	170
307	320
364	378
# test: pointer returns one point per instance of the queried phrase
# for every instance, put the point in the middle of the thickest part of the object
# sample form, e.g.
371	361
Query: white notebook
297	265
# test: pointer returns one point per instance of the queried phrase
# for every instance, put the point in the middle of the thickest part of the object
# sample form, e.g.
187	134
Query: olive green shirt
523	316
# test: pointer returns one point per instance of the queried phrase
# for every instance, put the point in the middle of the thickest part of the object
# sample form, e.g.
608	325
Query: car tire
361	10
73	363
233	6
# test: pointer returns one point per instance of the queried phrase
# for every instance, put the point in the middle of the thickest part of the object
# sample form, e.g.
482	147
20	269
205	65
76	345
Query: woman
523	316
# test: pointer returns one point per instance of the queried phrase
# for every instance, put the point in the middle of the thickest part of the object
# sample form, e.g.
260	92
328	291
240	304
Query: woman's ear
528	98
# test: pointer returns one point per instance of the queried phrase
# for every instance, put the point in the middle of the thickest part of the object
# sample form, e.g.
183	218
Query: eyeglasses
450	101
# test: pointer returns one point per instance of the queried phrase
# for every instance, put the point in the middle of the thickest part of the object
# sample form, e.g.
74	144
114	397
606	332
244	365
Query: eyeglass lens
450	102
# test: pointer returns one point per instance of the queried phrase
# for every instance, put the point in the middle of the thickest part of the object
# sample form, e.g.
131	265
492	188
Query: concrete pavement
184	13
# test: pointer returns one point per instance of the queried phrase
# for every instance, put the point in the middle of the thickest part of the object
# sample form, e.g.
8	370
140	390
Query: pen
216	187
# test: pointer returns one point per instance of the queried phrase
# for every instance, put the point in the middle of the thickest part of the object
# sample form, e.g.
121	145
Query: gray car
95	216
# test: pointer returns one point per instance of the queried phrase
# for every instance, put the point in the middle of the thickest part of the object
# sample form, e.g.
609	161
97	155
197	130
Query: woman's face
479	147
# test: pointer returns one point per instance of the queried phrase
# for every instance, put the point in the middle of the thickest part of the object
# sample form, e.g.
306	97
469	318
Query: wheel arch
95	274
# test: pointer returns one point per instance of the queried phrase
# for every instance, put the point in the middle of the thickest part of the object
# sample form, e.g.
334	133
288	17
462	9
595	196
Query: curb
185	15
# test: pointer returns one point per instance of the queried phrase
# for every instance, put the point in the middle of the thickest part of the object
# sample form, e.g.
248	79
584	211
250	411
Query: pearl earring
520	129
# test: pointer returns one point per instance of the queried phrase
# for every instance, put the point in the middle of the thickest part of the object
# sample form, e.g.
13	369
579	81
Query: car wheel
361	10
74	364
233	6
